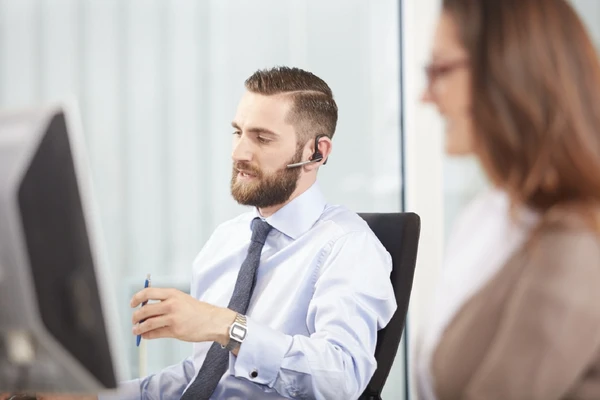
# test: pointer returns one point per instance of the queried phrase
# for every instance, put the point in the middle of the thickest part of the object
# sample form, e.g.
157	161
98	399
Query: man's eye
262	139
237	133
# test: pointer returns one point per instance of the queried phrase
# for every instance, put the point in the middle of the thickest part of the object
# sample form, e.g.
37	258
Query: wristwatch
237	332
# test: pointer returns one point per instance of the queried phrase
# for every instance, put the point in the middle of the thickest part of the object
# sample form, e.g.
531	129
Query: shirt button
253	374
294	393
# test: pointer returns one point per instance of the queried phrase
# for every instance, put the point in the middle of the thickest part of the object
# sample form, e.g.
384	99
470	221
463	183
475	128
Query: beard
265	190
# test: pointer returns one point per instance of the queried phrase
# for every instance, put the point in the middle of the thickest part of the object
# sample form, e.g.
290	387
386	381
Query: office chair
399	234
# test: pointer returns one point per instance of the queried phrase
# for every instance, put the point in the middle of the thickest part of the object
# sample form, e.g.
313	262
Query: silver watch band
237	332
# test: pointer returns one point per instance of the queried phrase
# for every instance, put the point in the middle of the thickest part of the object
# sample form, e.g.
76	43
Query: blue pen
146	284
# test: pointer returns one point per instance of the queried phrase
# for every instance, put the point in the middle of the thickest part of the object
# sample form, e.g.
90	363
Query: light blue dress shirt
323	291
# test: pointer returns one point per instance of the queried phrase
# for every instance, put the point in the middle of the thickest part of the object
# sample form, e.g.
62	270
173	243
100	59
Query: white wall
423	143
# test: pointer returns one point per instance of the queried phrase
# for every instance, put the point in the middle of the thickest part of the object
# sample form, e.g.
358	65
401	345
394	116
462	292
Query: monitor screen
57	325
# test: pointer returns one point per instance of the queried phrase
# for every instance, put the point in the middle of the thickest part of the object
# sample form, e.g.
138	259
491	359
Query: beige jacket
533	331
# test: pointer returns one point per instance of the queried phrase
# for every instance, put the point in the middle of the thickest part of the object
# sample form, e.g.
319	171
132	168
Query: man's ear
324	146
322	149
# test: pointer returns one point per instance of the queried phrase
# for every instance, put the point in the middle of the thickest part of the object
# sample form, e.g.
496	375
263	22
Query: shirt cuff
129	390
260	355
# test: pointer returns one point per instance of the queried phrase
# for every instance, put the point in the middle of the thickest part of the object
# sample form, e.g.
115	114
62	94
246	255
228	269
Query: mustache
246	166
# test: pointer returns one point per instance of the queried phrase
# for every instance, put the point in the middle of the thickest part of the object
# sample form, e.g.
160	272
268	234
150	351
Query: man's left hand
180	316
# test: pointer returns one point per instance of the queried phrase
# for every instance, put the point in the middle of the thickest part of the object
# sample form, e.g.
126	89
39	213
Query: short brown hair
536	99
314	111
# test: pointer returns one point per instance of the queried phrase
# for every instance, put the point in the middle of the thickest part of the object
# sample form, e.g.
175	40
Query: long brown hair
536	99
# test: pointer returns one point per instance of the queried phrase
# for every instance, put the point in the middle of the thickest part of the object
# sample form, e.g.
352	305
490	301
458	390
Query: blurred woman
518	310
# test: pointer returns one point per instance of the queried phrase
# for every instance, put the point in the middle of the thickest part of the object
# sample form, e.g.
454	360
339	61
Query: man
304	324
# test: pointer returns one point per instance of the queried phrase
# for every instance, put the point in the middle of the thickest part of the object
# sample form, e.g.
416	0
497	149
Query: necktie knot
260	230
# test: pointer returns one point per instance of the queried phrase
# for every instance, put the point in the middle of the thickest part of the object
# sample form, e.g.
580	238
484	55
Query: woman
518	312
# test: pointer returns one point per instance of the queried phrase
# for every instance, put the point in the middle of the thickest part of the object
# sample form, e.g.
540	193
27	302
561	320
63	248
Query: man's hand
180	316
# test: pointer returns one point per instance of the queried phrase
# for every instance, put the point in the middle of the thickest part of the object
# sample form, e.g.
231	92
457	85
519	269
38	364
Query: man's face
264	143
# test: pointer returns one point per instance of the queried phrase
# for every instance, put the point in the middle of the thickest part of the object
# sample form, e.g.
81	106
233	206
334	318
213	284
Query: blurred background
158	83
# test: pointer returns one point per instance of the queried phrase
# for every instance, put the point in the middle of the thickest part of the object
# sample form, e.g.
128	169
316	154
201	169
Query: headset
316	157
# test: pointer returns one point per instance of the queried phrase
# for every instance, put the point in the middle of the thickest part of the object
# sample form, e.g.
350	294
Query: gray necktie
217	359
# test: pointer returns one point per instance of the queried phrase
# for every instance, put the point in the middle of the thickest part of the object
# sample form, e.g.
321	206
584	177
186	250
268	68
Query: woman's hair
536	99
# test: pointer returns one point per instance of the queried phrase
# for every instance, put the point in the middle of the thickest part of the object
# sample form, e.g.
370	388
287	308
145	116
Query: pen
146	284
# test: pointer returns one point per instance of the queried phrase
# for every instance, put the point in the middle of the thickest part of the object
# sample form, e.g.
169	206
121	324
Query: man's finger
150	325
164	332
149	311
150	294
54	396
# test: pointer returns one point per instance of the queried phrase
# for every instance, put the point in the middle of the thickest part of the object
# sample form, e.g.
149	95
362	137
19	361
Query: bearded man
286	300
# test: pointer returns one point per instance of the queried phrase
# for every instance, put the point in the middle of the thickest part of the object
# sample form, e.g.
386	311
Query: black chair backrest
399	234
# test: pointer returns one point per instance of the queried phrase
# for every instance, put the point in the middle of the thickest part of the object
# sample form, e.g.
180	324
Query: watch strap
239	323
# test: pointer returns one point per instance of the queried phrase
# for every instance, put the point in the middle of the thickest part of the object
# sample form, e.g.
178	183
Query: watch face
237	332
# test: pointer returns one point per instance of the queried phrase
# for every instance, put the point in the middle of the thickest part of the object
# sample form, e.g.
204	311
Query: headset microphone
316	157
305	162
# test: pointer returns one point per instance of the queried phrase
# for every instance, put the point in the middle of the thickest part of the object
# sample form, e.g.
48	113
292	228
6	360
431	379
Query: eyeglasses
434	71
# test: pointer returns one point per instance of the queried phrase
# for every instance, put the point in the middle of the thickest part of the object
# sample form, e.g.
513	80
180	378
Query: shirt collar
299	215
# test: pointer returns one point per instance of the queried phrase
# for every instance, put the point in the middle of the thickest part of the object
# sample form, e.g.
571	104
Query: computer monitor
58	328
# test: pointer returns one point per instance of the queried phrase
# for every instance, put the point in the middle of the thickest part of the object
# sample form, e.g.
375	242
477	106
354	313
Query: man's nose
242	149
